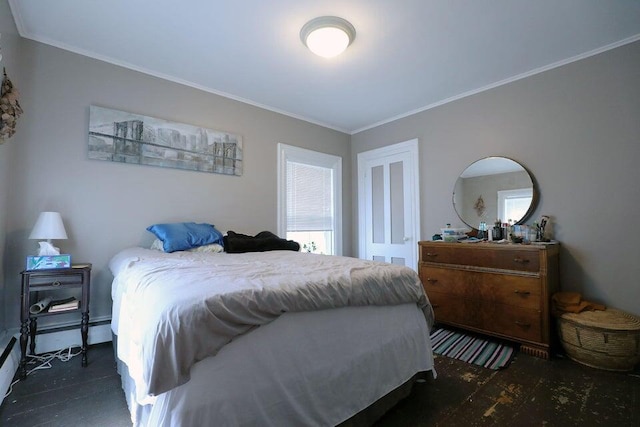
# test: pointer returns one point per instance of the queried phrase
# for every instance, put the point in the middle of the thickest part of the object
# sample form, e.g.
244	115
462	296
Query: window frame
290	153
515	193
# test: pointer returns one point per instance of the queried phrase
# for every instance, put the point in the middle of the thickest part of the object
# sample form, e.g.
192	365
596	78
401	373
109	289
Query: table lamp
48	226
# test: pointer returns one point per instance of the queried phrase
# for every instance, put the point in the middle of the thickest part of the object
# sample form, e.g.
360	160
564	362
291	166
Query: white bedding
303	369
173	312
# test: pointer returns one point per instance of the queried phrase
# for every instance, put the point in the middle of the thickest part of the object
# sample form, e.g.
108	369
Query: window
309	199
514	204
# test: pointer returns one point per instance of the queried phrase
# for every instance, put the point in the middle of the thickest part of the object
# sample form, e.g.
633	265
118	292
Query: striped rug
471	349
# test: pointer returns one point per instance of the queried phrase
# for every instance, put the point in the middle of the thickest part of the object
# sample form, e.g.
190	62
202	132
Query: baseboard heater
7	351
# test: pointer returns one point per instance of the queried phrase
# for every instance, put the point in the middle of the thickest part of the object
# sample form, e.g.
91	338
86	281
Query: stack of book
70	303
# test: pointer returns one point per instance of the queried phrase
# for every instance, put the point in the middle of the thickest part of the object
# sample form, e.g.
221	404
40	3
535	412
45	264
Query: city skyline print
123	137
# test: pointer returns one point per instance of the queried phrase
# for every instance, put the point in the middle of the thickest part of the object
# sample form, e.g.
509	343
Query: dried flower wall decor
479	206
10	108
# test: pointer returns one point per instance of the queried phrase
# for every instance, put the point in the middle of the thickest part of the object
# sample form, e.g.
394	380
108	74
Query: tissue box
452	234
48	261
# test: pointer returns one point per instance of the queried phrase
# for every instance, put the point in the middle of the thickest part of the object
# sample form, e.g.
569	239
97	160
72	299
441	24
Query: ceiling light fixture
327	36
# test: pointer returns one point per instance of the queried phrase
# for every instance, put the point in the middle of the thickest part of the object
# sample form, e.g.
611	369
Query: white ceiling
408	55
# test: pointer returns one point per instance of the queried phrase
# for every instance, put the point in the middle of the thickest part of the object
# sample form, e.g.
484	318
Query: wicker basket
608	339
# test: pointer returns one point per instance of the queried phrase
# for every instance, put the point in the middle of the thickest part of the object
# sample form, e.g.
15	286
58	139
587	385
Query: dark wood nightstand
50	281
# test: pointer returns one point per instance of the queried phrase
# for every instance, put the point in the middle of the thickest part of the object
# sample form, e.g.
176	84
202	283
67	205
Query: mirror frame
532	206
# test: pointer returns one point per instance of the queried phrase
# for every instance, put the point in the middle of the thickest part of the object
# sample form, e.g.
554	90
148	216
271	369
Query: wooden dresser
502	290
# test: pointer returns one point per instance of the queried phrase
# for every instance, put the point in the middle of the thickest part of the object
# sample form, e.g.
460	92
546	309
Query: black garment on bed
236	243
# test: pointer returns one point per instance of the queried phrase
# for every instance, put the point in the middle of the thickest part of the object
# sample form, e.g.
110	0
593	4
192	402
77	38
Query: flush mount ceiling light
327	36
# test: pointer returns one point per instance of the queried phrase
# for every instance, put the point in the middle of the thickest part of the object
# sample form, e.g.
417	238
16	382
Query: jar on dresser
503	290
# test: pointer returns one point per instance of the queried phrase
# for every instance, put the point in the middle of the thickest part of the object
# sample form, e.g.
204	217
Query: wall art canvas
118	136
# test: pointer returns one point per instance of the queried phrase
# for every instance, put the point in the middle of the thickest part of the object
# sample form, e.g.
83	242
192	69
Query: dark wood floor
530	392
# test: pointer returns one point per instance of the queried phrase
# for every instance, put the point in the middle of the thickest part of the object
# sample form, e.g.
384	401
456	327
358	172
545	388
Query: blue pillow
180	236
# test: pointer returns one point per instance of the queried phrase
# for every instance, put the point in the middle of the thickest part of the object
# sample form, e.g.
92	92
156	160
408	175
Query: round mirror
494	188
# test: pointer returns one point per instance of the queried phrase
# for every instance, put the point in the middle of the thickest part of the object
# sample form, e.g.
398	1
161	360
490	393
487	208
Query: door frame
410	146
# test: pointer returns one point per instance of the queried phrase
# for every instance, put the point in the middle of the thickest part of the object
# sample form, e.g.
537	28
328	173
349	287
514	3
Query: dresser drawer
455	310
485	256
518	291
498	319
512	321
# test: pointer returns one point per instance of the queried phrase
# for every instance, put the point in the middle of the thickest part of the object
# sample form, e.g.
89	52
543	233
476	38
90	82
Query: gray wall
577	129
10	43
107	206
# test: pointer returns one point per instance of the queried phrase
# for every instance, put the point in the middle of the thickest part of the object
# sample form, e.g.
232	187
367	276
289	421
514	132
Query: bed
273	338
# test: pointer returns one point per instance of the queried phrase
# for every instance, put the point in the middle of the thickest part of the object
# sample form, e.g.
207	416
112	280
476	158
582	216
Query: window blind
309	197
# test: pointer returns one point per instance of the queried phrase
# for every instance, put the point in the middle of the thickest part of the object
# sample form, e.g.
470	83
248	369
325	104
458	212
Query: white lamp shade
48	226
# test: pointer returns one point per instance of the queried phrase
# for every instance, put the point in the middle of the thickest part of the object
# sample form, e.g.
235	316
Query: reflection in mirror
494	188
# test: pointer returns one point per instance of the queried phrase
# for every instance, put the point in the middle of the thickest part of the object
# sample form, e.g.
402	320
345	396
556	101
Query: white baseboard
46	342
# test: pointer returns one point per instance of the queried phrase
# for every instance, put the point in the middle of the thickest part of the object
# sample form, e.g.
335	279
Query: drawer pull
431	254
431	280
522	292
520	260
523	324
55	283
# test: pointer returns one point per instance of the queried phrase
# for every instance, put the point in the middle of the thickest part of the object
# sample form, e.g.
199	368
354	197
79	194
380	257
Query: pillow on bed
181	236
212	248
157	245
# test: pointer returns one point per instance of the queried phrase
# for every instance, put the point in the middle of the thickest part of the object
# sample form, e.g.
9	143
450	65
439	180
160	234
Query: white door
388	207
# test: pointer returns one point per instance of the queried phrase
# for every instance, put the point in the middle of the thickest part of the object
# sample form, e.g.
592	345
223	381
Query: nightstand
50	282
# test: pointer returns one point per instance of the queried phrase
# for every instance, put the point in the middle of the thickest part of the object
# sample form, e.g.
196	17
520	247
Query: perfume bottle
497	230
482	230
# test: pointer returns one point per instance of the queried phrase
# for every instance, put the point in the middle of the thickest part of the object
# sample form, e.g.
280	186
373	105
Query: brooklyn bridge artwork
118	136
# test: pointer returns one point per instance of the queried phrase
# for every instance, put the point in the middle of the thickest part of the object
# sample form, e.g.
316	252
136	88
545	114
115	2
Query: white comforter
173	310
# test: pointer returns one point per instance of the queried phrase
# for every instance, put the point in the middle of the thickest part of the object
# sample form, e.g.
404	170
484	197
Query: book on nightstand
84	265
70	303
